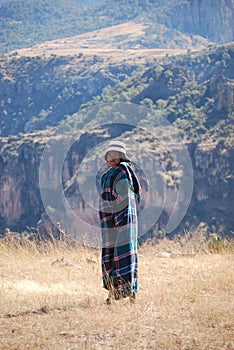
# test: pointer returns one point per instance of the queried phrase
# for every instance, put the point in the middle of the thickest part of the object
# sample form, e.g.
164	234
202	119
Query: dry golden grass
111	44
52	298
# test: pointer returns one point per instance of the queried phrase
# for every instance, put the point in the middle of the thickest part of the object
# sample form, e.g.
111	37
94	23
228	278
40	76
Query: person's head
116	153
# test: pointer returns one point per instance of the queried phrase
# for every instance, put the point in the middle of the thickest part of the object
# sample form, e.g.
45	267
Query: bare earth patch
53	299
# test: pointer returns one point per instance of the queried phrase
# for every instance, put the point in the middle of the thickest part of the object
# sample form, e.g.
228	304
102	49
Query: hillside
53	79
22	24
137	36
194	92
41	88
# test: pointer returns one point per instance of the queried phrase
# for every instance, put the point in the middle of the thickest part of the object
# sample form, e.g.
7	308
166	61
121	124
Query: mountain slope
133	35
23	24
39	91
194	92
40	85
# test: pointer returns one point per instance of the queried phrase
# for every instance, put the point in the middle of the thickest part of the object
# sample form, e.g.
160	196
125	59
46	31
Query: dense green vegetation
197	100
24	24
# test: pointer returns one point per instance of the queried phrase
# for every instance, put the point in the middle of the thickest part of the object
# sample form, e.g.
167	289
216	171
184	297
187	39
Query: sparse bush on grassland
186	244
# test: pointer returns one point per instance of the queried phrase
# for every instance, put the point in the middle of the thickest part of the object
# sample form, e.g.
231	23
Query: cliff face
213	19
214	184
21	204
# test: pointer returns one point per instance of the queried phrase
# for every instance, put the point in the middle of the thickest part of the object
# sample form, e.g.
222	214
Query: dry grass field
51	297
110	44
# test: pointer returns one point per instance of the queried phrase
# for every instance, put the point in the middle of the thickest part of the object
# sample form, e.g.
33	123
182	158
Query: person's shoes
132	298
116	295
108	301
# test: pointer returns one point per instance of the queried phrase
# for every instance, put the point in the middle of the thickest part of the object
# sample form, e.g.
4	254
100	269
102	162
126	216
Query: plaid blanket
118	218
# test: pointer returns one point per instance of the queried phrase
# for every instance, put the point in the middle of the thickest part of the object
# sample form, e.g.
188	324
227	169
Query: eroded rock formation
211	19
20	199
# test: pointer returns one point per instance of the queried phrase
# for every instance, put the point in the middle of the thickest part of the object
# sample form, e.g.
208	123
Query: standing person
118	217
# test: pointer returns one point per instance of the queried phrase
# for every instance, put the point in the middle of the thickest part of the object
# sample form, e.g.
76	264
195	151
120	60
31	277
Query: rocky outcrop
161	86
20	203
212	19
225	94
214	185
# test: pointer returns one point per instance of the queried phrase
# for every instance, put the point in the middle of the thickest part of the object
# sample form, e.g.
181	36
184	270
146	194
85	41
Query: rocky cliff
213	197
213	19
21	204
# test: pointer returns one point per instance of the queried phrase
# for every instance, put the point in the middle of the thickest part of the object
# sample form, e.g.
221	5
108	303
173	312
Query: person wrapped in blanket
120	195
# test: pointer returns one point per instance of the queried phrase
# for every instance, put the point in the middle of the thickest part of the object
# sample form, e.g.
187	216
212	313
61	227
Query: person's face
113	158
